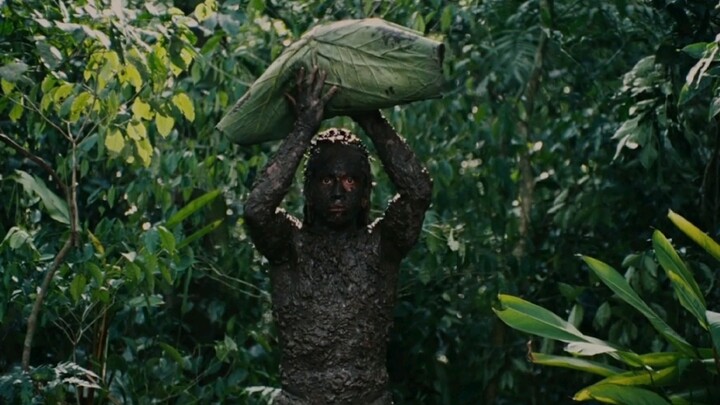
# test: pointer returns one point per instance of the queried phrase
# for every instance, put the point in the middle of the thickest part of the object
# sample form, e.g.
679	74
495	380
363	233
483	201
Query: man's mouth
335	209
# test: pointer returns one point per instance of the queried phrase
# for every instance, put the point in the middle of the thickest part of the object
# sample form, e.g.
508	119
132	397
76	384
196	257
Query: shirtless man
334	276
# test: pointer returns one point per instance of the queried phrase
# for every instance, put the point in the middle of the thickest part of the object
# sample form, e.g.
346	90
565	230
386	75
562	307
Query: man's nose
338	191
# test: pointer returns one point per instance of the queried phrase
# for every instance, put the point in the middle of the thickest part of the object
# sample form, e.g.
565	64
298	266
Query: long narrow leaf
619	395
620	286
696	234
528	317
660	359
191	208
664	376
684	284
574	363
200	233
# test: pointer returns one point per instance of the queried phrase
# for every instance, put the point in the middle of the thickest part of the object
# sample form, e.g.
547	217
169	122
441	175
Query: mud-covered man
334	275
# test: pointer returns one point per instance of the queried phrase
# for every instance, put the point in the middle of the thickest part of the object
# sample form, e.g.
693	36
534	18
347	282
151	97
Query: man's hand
310	103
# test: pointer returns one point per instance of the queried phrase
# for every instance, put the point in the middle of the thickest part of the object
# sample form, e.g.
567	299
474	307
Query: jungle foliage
569	127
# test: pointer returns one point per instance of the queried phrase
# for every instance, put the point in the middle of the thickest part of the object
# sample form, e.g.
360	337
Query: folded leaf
374	63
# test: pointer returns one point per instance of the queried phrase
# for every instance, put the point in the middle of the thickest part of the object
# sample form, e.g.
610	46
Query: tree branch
70	194
38	160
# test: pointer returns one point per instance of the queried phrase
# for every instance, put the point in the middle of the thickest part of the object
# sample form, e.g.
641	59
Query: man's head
337	181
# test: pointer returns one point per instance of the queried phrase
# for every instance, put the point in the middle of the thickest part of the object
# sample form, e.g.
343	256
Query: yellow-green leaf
696	234
142	109
144	151
62	93
130	74
79	105
114	141
7	86
185	105
136	130
17	111
164	124
619	395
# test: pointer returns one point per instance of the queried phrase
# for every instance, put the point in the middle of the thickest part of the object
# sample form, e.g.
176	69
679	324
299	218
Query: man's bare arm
269	227
403	219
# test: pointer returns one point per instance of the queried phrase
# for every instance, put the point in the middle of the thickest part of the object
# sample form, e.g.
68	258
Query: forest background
569	127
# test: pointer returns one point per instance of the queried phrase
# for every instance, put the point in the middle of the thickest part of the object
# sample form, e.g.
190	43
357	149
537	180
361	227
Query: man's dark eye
327	180
350	180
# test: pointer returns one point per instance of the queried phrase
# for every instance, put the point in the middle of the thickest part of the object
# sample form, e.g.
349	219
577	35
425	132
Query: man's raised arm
403	219
269	227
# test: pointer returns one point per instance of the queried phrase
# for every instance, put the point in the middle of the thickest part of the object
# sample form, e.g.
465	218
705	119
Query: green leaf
446	18
7	86
13	71
528	317
114	141
167	239
191	208
696	50
655	378
17	111
173	353
619	395
79	104
696	235
77	286
617	283
164	124
185	105
200	233
587	366
142	110
660	359
685	286
144	151
713	319
56	206
130	74
136	130
50	55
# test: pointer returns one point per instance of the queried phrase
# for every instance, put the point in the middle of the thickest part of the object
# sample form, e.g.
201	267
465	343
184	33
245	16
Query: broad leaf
55	206
185	105
528	317
616	282
620	395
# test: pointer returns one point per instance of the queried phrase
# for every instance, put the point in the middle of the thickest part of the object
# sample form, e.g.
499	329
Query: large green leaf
616	282
696	234
55	206
528	317
619	395
686	288
574	363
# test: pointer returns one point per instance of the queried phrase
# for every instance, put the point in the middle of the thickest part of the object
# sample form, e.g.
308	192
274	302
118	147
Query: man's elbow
425	186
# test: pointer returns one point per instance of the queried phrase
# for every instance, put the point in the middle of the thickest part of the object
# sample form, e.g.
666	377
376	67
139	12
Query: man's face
337	189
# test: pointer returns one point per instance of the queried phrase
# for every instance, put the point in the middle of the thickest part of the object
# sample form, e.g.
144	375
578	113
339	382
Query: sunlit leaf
142	110
136	130
700	237
114	141
685	286
164	124
185	105
144	150
713	319
619	395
